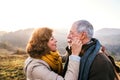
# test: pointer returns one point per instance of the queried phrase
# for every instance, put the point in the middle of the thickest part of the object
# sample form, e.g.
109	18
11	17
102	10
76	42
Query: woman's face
52	44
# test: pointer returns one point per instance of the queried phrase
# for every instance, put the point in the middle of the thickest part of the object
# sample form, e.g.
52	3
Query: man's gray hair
84	26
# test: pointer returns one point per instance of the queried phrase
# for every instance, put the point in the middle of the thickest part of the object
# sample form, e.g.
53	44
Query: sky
22	14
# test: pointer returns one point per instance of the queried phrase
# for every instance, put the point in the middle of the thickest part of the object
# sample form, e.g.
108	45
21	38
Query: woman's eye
52	38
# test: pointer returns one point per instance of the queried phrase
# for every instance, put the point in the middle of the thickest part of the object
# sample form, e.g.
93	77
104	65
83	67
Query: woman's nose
55	40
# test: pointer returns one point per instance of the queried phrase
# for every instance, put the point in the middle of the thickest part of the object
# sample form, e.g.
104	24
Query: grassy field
11	67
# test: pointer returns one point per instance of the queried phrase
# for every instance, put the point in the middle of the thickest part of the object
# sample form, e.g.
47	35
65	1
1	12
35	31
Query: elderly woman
44	61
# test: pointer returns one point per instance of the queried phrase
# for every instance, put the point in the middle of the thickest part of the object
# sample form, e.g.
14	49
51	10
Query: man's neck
86	41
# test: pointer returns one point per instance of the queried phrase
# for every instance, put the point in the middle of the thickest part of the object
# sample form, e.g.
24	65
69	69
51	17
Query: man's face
72	34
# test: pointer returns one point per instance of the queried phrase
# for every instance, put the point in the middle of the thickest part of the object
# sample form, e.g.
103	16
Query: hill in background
12	41
18	39
109	37
2	33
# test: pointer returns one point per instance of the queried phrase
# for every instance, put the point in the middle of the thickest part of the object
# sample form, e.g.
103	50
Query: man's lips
69	41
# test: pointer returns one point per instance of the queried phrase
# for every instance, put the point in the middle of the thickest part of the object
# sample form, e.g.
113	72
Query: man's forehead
73	28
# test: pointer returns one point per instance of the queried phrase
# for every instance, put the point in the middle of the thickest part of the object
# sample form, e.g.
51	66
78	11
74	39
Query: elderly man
94	65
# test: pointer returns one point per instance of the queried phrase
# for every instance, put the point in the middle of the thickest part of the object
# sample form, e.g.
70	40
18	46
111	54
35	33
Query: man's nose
69	36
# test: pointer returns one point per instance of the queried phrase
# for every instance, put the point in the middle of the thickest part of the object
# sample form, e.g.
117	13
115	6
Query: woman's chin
54	50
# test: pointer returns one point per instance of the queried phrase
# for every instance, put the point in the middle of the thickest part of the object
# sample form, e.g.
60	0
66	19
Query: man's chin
69	43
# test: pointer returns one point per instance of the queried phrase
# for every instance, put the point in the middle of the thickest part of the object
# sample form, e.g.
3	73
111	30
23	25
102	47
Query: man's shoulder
101	57
101	60
102	68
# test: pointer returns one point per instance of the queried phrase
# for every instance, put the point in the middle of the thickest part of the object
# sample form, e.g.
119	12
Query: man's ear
83	35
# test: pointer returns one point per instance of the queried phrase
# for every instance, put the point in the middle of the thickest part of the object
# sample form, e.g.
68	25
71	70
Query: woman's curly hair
37	44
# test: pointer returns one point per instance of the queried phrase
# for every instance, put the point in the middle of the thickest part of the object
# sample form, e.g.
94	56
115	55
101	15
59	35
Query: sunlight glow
24	14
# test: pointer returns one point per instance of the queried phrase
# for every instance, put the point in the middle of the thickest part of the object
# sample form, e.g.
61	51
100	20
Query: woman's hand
76	46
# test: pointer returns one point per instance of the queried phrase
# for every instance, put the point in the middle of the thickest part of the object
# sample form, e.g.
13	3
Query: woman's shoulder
31	63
